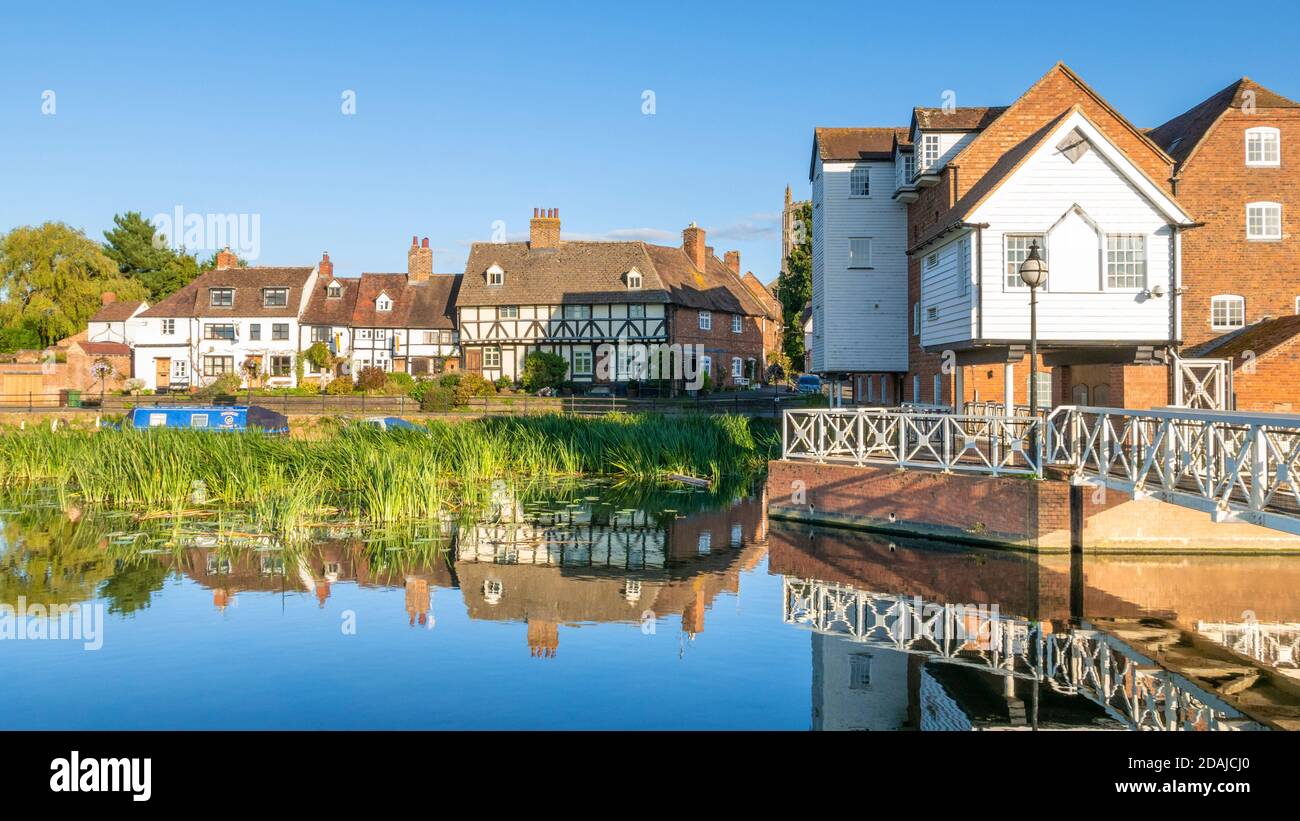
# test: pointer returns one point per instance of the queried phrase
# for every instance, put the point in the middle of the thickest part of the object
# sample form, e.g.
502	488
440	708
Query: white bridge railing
1236	466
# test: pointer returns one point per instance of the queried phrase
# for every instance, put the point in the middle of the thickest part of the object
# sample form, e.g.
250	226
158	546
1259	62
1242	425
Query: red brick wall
1274	386
719	342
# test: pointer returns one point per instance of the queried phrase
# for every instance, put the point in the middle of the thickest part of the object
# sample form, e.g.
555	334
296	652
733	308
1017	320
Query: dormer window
334	290
496	276
634	280
383	303
221	297
275	297
928	153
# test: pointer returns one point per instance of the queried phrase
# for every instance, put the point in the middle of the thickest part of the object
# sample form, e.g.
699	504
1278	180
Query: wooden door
474	360
163	371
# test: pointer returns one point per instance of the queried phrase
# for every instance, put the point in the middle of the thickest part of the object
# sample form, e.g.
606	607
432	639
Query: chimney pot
325	268
424	243
225	259
693	245
419	260
415	239
544	231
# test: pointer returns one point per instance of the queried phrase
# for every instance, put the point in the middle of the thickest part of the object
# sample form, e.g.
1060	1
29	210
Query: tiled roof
105	348
968	118
716	288
1261	338
575	272
192	300
426	304
117	311
858	143
325	310
763	294
1180	136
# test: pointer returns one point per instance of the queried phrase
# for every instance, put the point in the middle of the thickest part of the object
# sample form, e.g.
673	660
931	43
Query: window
495	276
217	365
444	337
636	311
1017	248
916	319
704	544
280	330
168	327
963	267
909	166
737	534
221	297
931	313
1263	146
180	369
1297	305
430	337
736	323
281	365
491	357
1044	389
320	333
860	182
363	333
198	420
577	312
219	331
706	365
254	331
916	389
334	291
1126	261
381	334
860	252
938	389
1263	220
275	297
383	303
737	368
929	151
634	279
706	321
582	362
1227	312
860	671
508	312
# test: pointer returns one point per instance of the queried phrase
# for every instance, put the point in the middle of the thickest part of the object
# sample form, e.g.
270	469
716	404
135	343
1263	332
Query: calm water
590	607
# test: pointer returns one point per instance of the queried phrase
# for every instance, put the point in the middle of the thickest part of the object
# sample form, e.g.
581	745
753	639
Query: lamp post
1033	272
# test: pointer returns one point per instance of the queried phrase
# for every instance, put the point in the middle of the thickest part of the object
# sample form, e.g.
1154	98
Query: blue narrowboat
214	417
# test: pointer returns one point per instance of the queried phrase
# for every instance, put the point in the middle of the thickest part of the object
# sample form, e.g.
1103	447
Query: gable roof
763	294
428	303
1261	338
716	288
325	310
850	144
118	311
962	118
191	301
1181	136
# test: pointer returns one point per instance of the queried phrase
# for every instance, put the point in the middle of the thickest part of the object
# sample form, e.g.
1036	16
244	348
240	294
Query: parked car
387	423
808	383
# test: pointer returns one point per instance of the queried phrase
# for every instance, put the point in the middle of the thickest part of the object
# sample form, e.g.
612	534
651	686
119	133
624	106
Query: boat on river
211	417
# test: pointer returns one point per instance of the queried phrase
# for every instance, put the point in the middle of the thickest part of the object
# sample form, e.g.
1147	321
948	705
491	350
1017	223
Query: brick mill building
1164	245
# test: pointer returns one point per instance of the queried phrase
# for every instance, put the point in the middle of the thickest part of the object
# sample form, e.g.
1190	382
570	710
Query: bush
224	385
503	383
400	384
437	399
543	370
472	385
341	386
450	380
372	379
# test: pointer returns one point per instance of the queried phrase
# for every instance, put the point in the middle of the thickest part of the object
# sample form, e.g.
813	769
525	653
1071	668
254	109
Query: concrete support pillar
1009	388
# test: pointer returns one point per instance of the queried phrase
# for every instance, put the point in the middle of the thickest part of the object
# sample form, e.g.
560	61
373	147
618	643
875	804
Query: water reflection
613	586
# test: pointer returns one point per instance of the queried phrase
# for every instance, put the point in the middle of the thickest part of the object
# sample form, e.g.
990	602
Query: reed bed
368	474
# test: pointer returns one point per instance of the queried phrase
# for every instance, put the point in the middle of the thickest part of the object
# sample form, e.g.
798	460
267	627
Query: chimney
325	268
544	230
693	245
732	258
419	260
107	297
225	259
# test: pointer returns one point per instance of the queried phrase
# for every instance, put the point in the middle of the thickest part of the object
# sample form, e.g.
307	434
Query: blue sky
467	115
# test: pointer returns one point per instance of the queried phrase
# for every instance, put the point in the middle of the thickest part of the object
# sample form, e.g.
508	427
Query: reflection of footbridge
1129	686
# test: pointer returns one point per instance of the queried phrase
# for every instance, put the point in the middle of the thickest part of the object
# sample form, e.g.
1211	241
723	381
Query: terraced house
573	297
1154	239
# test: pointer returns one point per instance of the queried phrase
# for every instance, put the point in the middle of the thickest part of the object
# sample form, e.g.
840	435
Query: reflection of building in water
587	564
858	688
1275	644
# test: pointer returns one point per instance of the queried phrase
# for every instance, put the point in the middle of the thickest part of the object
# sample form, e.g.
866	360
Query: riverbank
363	473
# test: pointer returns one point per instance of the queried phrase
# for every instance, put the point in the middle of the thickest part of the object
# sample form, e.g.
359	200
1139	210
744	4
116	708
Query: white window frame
577	312
1228	301
278	291
909	167
706	320
1260	136
1126	261
854	261
636	311
736	323
508	312
333	291
590	362
279	331
737	367
383	303
860	181
1264	208
496	277
634	280
1297	305
214	303
928	142
492	357
168	327
1011	280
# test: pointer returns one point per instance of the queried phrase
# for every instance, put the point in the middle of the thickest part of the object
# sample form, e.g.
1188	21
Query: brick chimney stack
732	258
419	260
325	268
693	245
225	259
544	230
107	298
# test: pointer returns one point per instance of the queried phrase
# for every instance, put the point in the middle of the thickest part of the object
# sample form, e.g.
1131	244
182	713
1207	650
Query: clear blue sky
468	114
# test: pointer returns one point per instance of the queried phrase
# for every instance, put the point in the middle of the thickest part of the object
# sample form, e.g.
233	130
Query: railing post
785	444
901	421
944	421
862	448
1258	466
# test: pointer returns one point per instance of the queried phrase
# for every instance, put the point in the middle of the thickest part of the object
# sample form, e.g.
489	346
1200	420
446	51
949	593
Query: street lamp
1033	272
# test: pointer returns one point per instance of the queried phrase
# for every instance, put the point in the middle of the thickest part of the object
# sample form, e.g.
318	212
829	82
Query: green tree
794	287
52	277
142	253
544	370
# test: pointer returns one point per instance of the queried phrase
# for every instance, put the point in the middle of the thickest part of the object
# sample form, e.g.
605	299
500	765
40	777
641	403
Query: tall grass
381	476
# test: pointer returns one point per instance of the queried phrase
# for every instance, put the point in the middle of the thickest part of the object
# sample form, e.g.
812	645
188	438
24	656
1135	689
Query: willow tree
52	277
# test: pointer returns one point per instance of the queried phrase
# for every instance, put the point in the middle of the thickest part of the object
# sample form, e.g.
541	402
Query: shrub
471	385
224	385
543	370
503	383
437	399
340	386
400	383
450	380
372	379
133	385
